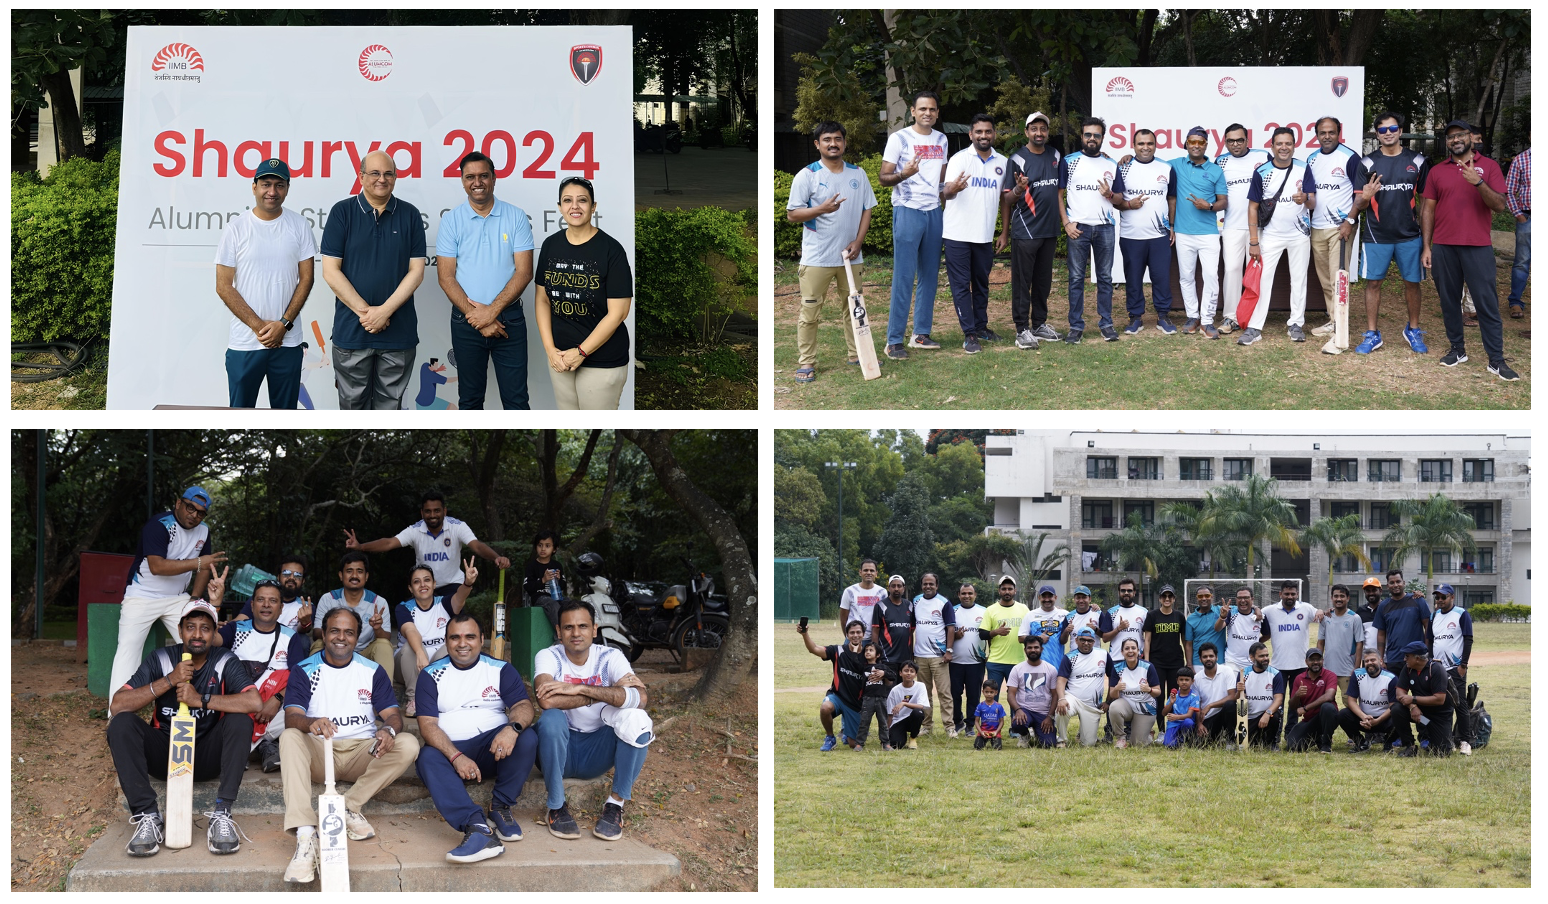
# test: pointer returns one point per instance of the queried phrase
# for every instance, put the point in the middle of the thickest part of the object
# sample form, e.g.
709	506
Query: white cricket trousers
589	388
1090	720
1198	258
1297	249
1234	249
135	618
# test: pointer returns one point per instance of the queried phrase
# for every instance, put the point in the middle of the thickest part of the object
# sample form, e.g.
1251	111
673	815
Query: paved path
718	177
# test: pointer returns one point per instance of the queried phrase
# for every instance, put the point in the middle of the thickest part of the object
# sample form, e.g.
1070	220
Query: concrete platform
408	854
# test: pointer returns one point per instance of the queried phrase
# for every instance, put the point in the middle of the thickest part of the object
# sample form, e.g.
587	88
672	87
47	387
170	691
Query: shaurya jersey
468	702
430	623
349	695
1261	688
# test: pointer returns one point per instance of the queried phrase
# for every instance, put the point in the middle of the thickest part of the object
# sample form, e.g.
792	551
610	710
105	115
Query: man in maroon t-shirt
1311	697
1460	195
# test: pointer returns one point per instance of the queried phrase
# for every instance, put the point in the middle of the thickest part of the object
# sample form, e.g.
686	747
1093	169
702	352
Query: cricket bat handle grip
849	271
182	708
328	764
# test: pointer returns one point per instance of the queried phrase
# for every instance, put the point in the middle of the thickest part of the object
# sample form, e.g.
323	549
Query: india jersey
922	190
1128	682
1238	176
349	695
969	215
430	623
1289	634
933	620
1242	631
441	552
1085	676
1082	177
969	650
163	536
1374	694
1290	219
1448	629
1155	182
1135	616
860	602
370	605
604	667
1393	215
1261	688
468	702
1335	178
824	237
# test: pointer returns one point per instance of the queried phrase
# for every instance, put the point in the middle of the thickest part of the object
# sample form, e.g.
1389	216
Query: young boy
873	700
906	705
989	716
1183	713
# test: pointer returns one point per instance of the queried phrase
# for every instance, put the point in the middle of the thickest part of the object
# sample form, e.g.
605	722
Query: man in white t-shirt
1089	185
1149	196
593	720
975	180
914	166
1238	163
967	658
934	623
832	201
172	563
1216	687
437	539
1288	629
860	599
263	272
1335	173
1280	183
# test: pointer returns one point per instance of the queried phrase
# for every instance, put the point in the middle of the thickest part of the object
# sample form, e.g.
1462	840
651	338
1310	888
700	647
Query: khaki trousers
408	666
1125	721
1324	243
302	756
935	675
814	288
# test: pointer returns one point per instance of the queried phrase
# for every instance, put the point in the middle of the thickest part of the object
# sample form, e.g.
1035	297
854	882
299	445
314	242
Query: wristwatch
516	725
391	732
204	703
288	323
1349	220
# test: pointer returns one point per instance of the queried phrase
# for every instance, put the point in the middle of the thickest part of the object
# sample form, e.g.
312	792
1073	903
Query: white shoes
1466	748
358	828
303	866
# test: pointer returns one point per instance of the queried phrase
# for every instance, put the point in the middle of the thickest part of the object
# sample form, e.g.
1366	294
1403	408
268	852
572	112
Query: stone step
408	854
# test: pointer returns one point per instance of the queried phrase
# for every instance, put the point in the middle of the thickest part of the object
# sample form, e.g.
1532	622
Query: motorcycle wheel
675	145
632	652
705	633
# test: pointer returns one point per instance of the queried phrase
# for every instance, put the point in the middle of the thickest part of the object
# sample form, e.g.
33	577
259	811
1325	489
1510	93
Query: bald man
373	257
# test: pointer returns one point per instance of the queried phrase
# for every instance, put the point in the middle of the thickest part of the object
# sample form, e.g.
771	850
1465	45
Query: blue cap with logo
1046	588
272	167
1085	632
197	494
1082	590
1446	589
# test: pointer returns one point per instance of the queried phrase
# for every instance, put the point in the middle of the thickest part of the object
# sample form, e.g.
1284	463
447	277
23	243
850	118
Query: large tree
45	46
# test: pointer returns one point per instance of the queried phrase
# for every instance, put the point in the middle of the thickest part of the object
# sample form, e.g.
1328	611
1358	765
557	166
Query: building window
1236	468
1483	515
1101	468
1435	470
1346	564
1343	470
1381	516
1146	510
1144	468
1195	468
1340	509
1472	596
1440	560
1481	563
1092	558
1096	514
1381	560
1302	511
1387	470
1290	468
1477	470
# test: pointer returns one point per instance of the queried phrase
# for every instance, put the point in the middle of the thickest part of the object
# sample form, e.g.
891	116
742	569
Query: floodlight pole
842	466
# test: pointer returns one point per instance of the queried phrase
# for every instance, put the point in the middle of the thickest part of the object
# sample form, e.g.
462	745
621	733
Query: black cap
1458	124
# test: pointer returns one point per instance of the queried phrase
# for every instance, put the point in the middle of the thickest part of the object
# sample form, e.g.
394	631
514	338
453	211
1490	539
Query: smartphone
375	746
802	629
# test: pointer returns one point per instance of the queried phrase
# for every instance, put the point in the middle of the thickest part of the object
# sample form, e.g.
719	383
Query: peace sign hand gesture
830	206
469	571
1199	203
349	540
1371	187
1471	173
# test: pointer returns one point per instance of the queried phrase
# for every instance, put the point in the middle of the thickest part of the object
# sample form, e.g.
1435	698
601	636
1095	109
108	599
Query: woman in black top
584	286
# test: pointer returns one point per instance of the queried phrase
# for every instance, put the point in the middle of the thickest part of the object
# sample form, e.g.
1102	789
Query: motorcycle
676	617
610	627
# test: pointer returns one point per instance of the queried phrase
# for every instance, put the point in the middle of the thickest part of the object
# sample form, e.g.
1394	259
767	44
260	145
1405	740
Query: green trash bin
528	631
102	644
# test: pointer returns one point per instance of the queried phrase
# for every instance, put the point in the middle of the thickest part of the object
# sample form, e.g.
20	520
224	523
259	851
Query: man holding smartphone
850	672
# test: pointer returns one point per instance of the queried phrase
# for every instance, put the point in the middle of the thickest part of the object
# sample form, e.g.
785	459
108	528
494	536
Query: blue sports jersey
989	715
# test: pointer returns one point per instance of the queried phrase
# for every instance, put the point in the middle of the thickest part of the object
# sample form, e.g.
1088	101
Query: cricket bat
1340	339
180	760
333	840
861	324
1241	721
497	647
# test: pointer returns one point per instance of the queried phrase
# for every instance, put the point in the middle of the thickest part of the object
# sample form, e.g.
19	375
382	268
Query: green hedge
1500	612
677	253
62	235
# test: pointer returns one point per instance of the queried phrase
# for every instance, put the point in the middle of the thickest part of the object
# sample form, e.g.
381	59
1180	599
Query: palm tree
1221	548
1251	512
1429	524
1033	564
1137	546
1339	537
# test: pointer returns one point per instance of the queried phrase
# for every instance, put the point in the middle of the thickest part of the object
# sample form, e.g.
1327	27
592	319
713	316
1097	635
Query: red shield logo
585	62
1340	86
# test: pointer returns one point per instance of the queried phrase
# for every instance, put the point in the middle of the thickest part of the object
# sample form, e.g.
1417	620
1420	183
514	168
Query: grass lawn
947	815
1147	371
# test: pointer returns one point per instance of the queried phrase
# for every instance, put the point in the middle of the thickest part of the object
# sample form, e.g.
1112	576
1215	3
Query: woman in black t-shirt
584	286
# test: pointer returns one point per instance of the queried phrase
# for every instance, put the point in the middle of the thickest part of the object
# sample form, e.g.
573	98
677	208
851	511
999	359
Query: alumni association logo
177	57
1120	87
375	63
1226	86
585	62
1340	86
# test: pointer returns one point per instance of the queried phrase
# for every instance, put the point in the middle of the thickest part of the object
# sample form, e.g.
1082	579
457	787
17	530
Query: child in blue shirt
1183	709
989	715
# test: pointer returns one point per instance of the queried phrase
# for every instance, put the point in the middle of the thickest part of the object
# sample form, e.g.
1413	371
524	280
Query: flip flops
805	374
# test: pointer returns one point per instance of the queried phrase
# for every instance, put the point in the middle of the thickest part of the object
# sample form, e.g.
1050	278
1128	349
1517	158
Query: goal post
1265	591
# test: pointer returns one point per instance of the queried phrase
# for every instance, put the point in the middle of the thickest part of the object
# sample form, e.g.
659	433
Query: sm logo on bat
182	749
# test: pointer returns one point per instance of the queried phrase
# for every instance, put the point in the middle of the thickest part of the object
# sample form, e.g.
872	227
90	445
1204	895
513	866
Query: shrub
1500	612
878	240
62	237
787	235
682	259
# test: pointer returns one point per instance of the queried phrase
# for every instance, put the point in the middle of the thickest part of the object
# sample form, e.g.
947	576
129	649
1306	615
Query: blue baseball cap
197	494
1082	589
272	167
1086	632
1047	588
1446	589
1415	648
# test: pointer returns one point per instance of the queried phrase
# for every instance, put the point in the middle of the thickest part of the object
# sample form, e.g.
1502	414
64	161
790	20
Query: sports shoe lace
146	824
221	823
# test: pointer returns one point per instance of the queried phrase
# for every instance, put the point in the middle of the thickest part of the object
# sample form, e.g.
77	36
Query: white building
1080	487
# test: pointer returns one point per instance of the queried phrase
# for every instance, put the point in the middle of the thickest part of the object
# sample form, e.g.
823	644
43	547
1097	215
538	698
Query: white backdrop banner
1171	100
204	106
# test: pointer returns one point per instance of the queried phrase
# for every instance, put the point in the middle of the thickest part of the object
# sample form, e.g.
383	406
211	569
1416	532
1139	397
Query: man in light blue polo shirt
483	263
1201	192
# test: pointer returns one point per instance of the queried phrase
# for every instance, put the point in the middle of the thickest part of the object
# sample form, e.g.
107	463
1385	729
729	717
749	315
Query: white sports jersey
430	623
900	694
1374	694
1216	688
1238	175
290	613
1086	676
163	536
468	702
1081	177
968	650
370	606
1092	618
860	602
604	667
1242	631
1290	219
349	695
442	552
1153	181
921	191
1135	616
250	645
930	625
970	215
1335	177
1129	681
1448	629
1261	688
1289	634
825	236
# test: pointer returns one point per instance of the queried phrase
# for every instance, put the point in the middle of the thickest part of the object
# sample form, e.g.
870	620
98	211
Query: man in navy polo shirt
483	263
373	252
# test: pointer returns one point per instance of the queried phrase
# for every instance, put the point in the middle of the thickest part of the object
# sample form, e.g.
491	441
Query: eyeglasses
287	573
1236	141
374	175
1388	130
194	508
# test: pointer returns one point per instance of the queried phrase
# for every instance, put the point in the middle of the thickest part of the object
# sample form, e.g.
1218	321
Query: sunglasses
1388	130
287	573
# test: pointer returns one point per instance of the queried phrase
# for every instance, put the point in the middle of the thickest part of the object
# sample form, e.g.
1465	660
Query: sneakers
147	836
268	751
1415	337
1327	329
1191	326
1408	751
988	335
478	843
1296	333
971	346
303	864
1249	336
1325	748
1021	741
1109	333
951	733
897	352
357	827
1046	333
1210	332
1228	326
1073	337
610	824
561	824
913	743
505	826
1371	342
1503	371
1134	327
1026	339
1453	358
1465	749
924	342
222	835
1165	326
828	743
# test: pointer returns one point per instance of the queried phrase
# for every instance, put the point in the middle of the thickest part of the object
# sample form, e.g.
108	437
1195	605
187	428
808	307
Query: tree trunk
554	495
1187	17
485	468
24	458
1490	81
1147	30
601	522
1325	34
67	116
1363	26
739	653
897	80
21	136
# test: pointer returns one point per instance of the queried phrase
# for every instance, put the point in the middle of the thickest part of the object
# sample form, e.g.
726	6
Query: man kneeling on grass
1033	695
475	716
850	673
